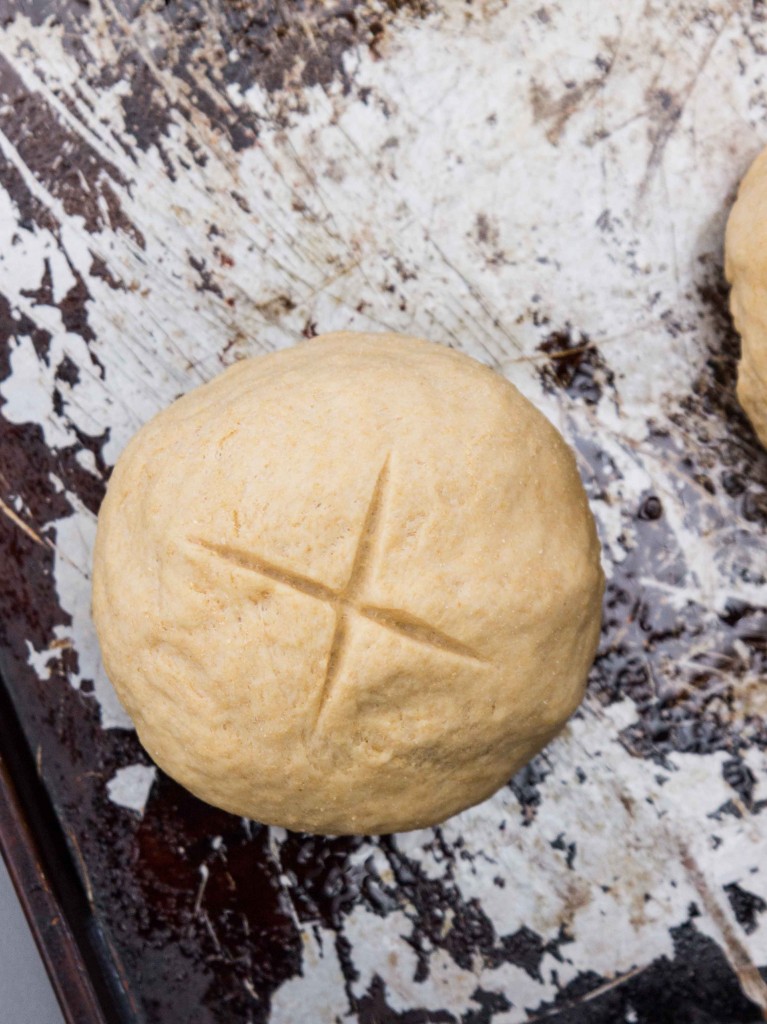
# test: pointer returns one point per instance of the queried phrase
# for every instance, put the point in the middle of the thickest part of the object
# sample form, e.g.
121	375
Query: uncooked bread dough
349	587
746	270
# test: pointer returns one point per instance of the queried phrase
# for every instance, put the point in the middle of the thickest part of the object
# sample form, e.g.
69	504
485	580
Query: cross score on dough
348	598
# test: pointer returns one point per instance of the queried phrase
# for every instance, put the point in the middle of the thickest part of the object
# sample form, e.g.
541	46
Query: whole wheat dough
348	587
746	270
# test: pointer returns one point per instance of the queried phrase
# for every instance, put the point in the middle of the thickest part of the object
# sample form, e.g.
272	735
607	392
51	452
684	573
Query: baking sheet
543	186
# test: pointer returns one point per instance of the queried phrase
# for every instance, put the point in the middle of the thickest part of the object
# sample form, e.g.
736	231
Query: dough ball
746	270
350	587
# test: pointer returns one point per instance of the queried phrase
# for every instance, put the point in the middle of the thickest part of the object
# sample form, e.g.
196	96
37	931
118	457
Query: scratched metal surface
544	186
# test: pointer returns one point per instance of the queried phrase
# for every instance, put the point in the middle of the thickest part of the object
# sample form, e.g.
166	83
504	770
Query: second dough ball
746	270
348	587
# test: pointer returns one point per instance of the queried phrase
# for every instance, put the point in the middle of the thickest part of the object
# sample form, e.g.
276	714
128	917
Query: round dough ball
746	270
350	587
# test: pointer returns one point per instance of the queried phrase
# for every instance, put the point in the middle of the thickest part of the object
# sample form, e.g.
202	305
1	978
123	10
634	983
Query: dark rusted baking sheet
543	186
47	884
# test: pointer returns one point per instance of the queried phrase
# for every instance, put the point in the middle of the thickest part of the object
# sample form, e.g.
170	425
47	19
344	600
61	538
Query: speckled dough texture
349	587
746	268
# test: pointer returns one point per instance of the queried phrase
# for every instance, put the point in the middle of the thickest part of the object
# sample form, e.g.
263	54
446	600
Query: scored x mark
348	598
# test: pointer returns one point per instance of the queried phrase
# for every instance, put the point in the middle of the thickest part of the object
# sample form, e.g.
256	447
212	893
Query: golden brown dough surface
348	587
746	270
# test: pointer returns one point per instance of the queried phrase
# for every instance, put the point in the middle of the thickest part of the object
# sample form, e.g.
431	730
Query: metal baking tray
545	187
